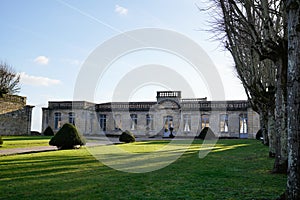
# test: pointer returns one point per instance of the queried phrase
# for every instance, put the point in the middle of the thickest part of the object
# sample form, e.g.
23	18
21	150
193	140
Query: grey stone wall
15	116
9	103
86	119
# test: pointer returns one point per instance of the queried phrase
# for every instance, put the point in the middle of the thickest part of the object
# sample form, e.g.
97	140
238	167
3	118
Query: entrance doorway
168	126
168	122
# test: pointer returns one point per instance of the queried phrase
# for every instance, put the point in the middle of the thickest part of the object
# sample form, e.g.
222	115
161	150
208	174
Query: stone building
187	117
80	113
15	115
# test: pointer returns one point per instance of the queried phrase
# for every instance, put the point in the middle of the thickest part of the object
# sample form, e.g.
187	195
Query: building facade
80	113
186	117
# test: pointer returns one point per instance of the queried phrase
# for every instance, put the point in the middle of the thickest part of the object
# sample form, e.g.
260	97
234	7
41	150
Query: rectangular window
72	118
149	121
91	122
118	125
243	123
133	121
187	123
204	121
224	123
102	122
57	120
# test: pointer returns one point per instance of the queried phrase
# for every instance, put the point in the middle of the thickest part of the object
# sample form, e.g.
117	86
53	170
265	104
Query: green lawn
24	141
235	169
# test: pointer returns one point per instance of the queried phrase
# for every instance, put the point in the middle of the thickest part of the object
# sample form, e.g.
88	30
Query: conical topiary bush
67	137
127	137
259	135
48	131
206	133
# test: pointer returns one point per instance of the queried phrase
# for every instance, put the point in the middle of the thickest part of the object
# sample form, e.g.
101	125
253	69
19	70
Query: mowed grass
24	141
235	169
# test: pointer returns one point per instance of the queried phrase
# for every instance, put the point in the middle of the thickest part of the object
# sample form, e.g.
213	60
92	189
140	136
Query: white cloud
42	60
37	80
121	10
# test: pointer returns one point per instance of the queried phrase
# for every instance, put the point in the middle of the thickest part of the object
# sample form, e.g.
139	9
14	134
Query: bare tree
256	36
270	30
9	80
293	87
257	77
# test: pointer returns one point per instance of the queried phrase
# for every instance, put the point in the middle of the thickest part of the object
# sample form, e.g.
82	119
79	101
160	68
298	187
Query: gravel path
26	150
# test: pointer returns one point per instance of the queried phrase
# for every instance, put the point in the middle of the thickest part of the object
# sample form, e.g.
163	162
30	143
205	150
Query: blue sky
48	41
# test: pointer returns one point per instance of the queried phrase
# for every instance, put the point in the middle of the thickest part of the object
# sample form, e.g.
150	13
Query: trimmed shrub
35	133
259	134
1	141
67	137
48	131
206	133
127	137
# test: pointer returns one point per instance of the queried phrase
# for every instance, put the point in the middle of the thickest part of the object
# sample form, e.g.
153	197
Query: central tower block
168	95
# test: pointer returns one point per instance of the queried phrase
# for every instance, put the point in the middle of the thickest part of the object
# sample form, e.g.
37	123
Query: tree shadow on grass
75	174
136	160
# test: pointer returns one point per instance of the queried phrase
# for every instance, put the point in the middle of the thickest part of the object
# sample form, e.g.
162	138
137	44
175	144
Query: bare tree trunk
271	133
293	100
280	164
264	126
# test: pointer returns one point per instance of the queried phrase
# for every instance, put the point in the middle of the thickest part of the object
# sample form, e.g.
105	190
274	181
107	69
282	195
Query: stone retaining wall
15	116
9	103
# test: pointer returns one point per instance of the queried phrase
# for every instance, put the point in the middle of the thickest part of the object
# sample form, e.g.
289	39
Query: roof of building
187	104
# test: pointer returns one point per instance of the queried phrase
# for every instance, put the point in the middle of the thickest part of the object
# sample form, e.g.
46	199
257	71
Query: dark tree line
263	39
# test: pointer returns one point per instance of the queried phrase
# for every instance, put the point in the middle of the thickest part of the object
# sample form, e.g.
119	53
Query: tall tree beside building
9	80
293	99
256	36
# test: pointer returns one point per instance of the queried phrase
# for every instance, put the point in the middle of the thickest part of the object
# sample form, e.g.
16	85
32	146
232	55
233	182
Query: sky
49	42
